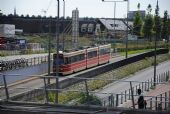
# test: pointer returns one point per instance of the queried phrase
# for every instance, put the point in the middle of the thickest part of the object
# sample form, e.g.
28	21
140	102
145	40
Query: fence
160	102
109	99
163	99
20	63
8	52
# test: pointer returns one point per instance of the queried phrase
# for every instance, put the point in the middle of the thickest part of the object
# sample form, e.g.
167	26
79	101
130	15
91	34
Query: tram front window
61	60
58	62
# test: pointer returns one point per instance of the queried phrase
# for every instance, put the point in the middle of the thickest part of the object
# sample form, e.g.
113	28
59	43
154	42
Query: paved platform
158	92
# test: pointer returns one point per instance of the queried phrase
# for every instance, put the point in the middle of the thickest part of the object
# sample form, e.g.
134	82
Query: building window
114	25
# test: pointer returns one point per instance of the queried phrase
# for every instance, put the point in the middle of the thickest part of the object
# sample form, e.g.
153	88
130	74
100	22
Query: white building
116	27
7	30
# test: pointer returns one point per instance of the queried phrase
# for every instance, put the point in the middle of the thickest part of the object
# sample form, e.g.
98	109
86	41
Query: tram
74	61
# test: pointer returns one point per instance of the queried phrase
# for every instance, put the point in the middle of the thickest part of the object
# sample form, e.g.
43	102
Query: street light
127	28
57	58
49	51
63	23
154	77
114	13
127	21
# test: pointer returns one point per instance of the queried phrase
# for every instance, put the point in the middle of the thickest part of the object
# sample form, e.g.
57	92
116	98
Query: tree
157	27
39	16
138	6
27	16
148	24
168	28
33	16
164	32
137	24
22	16
1	13
149	9
10	15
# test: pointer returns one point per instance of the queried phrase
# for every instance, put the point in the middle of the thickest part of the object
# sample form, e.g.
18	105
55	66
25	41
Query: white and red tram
70	62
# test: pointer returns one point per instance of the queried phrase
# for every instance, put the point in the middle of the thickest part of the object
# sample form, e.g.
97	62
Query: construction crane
46	10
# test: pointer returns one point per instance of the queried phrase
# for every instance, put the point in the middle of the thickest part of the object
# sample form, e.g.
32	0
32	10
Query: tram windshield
60	61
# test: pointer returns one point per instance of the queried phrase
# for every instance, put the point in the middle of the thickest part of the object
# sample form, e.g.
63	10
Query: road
142	76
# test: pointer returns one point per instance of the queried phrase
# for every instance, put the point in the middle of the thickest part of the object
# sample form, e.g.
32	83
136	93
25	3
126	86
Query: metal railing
125	96
160	102
21	63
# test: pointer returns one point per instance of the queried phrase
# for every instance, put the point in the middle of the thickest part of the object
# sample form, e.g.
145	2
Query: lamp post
57	58
156	37
114	18
127	28
63	24
127	21
49	51
114	12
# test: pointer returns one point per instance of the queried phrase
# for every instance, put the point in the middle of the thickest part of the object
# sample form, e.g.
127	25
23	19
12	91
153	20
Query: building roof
84	25
109	24
90	25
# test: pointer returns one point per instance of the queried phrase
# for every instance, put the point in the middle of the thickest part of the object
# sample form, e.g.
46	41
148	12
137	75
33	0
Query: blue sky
87	8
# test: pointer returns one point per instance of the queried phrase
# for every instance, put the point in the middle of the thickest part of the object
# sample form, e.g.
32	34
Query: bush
89	99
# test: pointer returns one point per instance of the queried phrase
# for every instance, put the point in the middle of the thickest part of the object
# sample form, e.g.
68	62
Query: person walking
141	102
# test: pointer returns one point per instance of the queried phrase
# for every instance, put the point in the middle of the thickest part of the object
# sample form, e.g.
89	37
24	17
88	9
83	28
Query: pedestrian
141	102
159	107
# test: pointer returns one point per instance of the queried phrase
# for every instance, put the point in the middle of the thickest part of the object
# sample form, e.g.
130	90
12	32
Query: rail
22	62
160	102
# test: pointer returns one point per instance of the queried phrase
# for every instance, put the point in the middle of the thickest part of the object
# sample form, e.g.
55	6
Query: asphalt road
141	76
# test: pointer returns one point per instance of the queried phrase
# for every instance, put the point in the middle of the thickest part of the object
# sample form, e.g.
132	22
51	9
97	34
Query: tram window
92	54
67	60
61	60
73	59
77	58
82	56
104	51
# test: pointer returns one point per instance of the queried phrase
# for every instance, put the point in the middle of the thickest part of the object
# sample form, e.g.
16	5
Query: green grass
135	51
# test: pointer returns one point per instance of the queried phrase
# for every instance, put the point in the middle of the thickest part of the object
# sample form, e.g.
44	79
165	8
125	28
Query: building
115	28
7	30
90	28
83	28
132	14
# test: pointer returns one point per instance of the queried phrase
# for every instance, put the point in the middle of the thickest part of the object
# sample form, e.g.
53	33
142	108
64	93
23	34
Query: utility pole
63	24
114	18
127	21
57	58
157	36
49	52
127	29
